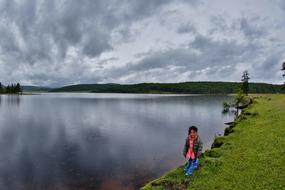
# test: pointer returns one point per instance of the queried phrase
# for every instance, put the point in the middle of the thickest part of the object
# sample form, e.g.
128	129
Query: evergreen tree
8	89
245	85
18	89
12	89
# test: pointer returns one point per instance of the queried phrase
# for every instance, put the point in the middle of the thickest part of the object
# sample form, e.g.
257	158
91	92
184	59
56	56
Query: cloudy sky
62	42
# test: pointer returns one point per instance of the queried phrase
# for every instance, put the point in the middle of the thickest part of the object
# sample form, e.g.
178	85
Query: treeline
178	88
11	89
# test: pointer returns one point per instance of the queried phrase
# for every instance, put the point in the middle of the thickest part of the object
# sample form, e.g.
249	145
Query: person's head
192	132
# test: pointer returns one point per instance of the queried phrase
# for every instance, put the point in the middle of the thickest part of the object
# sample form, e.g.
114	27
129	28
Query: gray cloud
46	25
219	59
186	28
268	68
41	32
64	42
213	54
251	29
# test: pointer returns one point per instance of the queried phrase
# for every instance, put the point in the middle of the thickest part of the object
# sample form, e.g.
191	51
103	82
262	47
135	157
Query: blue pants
190	166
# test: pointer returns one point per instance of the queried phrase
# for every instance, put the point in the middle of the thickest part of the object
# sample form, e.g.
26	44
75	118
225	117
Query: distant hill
36	89
179	88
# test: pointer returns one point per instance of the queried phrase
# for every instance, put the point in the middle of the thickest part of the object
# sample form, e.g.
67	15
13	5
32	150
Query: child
192	150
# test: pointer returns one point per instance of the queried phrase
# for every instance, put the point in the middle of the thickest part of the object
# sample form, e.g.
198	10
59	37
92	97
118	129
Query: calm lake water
87	141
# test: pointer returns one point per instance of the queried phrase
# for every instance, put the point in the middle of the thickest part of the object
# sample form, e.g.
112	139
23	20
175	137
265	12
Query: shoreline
220	158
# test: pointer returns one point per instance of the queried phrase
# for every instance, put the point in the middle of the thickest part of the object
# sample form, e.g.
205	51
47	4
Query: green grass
251	157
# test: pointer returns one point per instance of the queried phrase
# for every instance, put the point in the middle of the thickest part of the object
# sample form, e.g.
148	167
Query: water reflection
10	99
95	141
14	99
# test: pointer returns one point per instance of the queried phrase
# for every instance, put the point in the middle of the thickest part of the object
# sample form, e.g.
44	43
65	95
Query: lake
87	141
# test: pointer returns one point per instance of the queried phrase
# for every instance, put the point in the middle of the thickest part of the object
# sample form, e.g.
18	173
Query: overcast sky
62	42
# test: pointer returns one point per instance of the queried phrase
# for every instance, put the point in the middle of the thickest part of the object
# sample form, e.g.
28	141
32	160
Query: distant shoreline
172	88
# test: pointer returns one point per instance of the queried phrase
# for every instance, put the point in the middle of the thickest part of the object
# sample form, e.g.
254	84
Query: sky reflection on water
99	141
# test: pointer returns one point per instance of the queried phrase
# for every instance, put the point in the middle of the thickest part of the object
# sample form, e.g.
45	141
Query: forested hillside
186	87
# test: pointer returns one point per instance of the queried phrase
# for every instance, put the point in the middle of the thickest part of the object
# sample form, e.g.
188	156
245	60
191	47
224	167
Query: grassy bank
250	157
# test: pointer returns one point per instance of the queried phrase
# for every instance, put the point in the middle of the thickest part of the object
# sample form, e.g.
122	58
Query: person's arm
185	148
200	148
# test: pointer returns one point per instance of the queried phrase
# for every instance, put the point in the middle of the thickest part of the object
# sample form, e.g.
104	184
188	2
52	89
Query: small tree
1	88
18	89
245	85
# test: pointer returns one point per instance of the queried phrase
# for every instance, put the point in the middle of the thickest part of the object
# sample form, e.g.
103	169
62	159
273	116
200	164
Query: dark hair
192	128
